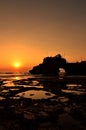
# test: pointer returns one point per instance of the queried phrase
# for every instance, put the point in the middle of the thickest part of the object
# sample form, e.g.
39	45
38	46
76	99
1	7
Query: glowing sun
17	65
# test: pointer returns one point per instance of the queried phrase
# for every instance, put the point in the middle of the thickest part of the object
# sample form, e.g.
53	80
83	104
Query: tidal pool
73	92
1	98
36	94
8	83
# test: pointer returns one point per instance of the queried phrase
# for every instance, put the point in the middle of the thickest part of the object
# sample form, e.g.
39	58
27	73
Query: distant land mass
52	65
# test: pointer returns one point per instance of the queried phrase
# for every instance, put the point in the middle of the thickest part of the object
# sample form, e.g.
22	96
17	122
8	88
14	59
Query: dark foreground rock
65	110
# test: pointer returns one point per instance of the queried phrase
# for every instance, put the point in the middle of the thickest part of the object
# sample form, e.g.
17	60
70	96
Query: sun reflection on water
17	77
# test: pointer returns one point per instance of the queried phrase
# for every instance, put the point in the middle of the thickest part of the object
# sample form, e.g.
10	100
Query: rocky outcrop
51	66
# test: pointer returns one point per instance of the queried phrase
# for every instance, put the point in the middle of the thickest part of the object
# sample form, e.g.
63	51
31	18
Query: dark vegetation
51	66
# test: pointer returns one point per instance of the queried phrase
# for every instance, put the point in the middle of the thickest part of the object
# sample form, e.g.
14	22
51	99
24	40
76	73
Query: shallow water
73	92
36	94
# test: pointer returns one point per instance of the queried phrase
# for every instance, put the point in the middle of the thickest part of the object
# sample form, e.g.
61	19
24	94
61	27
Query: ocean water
8	78
14	76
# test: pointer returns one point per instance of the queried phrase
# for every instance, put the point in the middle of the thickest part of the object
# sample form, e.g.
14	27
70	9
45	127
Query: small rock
29	115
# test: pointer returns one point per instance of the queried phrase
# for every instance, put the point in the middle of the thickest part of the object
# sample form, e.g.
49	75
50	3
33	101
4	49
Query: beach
42	103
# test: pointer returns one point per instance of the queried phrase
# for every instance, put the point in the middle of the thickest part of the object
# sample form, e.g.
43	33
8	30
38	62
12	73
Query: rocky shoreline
61	107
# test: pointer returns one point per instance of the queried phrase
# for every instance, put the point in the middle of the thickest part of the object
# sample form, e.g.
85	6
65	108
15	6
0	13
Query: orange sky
33	29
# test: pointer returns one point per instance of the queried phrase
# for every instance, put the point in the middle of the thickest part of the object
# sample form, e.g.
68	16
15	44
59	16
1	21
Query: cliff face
51	65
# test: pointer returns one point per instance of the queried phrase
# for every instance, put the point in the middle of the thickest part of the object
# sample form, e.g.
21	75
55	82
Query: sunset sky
33	29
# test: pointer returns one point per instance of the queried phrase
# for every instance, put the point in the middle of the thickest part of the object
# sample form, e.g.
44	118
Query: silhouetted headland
52	65
49	66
